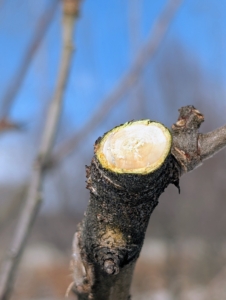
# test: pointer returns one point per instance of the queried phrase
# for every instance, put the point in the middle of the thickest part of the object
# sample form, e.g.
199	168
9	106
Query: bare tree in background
85	278
34	198
145	54
17	81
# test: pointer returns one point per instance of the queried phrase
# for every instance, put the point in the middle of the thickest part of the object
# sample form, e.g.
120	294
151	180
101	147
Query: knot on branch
110	267
108	259
185	138
189	119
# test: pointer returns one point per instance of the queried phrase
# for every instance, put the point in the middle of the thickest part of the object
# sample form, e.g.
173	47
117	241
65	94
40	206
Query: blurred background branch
145	54
18	78
9	210
34	197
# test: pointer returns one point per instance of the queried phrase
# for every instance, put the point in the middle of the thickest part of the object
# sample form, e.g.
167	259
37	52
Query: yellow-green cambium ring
137	147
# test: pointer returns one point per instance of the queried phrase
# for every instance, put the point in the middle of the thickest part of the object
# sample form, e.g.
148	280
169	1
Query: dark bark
111	235
122	203
113	229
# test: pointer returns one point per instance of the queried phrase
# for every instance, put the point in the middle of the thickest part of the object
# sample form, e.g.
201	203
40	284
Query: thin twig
212	142
19	76
146	54
190	147
34	198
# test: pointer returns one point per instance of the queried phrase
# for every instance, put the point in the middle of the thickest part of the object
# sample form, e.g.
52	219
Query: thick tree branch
132	165
33	199
146	53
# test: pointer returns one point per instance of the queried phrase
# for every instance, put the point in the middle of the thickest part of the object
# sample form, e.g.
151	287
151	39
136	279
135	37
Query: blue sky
103	46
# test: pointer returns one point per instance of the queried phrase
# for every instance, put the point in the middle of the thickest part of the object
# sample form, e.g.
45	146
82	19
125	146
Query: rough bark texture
113	229
185	138
110	238
120	205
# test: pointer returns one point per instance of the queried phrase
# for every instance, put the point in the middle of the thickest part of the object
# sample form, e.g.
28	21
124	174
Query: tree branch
212	142
146	53
190	147
9	209
33	199
16	82
132	165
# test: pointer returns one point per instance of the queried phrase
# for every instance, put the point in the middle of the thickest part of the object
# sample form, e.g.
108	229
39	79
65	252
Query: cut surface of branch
135	147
